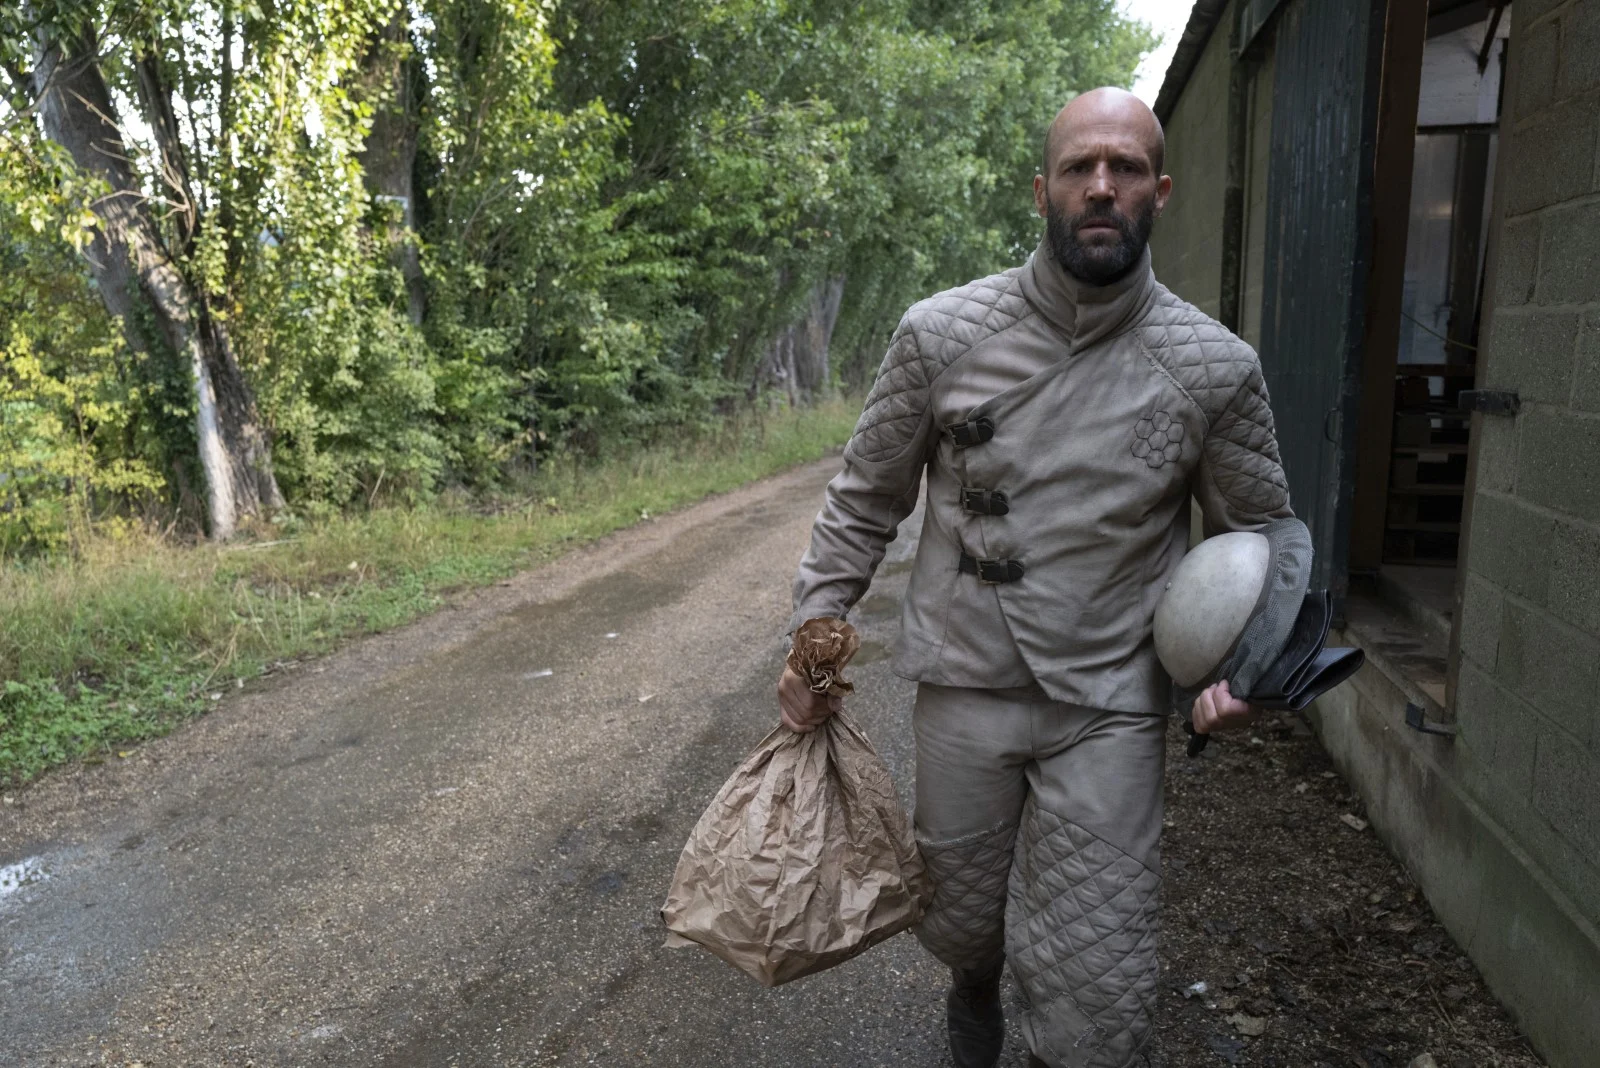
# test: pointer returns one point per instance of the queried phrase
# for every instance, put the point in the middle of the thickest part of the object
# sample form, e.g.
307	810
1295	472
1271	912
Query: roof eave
1203	18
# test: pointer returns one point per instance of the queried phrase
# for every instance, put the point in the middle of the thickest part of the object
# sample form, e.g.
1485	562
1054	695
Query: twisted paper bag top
822	648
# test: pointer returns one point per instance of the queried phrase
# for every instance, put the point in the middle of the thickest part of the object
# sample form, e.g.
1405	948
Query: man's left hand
1218	710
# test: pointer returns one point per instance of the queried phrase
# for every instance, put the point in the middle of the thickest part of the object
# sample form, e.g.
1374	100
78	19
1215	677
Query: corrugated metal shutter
1317	244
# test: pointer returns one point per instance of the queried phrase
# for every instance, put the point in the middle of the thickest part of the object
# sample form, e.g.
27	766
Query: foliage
124	639
615	207
73	405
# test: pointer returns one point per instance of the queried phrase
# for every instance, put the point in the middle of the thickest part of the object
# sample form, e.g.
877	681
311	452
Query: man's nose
1101	186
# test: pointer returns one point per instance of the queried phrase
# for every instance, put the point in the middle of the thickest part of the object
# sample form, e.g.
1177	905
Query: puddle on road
24	873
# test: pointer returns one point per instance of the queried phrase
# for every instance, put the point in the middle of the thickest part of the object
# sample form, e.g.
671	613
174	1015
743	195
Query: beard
1097	263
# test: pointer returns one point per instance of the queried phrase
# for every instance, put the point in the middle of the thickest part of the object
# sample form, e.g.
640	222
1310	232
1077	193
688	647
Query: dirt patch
1314	946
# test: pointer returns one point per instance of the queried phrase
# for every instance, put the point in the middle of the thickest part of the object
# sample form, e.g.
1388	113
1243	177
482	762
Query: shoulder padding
1222	375
933	334
1203	357
949	324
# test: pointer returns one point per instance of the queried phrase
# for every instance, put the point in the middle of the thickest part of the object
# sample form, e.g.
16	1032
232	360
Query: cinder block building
1398	203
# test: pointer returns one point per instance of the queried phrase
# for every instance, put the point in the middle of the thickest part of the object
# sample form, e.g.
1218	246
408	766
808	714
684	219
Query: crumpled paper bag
805	858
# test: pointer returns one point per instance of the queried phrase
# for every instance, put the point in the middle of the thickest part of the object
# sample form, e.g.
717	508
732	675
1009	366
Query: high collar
1082	312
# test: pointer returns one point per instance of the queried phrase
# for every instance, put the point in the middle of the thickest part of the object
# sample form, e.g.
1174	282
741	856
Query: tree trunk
797	362
133	268
389	157
157	100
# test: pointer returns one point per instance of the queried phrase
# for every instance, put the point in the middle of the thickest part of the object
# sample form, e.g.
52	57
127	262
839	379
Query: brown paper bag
805	858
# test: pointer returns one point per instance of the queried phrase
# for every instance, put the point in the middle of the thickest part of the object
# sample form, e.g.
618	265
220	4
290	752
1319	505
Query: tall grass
130	636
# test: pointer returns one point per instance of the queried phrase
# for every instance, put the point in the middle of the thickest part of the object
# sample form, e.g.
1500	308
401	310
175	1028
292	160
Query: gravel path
446	846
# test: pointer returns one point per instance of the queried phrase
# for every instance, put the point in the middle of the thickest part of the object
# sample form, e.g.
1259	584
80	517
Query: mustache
1106	214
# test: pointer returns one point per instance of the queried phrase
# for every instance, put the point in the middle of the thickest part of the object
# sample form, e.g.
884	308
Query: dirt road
447	845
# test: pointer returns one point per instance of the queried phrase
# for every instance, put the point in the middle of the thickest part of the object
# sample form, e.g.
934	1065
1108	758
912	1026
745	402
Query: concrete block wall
1539	956
1186	244
1528	688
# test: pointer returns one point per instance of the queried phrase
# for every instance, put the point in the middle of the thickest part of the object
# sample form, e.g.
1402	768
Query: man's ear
1040	204
1163	192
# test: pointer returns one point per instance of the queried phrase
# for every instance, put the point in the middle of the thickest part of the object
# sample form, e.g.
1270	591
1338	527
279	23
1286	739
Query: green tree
364	249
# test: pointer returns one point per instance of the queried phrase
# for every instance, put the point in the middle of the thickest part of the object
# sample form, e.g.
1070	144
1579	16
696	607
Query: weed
128	637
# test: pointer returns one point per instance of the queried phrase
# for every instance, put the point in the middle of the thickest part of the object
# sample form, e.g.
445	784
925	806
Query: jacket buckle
984	501
991	572
971	432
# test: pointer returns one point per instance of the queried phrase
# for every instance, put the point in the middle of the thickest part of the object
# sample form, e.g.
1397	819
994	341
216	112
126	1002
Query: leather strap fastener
984	501
972	432
991	572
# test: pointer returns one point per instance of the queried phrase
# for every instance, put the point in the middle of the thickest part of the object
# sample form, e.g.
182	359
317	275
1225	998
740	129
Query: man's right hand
801	709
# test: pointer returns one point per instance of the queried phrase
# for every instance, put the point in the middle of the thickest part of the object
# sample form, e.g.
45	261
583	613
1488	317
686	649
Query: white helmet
1230	607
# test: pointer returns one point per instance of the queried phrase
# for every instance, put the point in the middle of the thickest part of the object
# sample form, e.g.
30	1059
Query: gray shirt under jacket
1062	428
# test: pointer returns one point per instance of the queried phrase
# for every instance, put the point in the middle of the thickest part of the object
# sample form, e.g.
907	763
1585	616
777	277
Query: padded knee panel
1081	937
965	925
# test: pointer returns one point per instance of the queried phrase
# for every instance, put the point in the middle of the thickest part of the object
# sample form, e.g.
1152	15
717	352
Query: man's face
1099	199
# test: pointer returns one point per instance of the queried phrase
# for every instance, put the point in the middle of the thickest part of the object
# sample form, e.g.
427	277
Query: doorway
1419	444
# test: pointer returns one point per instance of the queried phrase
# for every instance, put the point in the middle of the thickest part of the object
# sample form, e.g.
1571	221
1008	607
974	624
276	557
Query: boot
976	1022
1035	1062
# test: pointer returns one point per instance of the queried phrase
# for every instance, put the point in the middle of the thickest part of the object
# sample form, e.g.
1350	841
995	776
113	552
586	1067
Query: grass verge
130	637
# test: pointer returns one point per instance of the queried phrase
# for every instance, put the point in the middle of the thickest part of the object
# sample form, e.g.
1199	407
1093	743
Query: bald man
1063	413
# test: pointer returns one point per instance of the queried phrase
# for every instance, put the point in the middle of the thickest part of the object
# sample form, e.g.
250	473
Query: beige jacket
1108	406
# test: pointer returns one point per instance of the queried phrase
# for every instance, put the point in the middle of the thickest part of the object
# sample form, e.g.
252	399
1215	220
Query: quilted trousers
1041	823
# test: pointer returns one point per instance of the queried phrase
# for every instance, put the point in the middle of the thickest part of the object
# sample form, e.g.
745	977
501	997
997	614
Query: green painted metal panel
1318	241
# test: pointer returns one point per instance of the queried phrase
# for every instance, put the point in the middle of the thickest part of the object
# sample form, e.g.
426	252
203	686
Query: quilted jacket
1094	412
